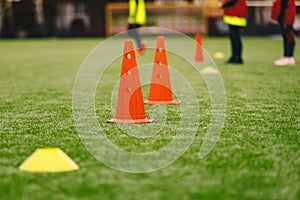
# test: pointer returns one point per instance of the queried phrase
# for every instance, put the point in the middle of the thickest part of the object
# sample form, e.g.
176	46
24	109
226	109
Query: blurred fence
205	17
183	17
84	18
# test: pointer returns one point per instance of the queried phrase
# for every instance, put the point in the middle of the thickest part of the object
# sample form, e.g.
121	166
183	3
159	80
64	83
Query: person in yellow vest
235	14
136	19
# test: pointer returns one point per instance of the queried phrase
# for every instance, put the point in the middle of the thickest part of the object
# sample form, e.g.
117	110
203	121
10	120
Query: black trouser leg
133	32
236	43
289	40
285	46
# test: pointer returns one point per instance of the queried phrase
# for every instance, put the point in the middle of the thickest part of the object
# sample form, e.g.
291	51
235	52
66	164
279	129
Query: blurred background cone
199	51
48	160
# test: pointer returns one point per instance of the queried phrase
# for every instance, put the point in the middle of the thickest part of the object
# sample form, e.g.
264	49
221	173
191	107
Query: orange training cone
199	52
130	107
160	88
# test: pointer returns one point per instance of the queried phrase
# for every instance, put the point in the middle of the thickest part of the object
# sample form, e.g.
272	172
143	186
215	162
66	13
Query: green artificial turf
256	157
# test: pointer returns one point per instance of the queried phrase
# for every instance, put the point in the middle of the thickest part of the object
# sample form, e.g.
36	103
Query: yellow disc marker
209	70
219	55
48	160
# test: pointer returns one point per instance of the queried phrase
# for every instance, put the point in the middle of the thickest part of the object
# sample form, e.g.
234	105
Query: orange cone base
172	102
131	121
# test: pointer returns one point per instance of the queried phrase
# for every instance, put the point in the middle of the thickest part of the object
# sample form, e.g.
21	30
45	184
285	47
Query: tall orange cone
160	88
130	107
199	52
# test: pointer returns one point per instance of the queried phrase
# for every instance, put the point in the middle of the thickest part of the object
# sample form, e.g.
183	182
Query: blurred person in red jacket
284	12
235	15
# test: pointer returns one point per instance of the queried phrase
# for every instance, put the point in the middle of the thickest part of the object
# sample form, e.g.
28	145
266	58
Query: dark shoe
234	61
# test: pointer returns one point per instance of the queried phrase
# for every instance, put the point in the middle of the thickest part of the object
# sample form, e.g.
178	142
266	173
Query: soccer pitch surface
256	157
